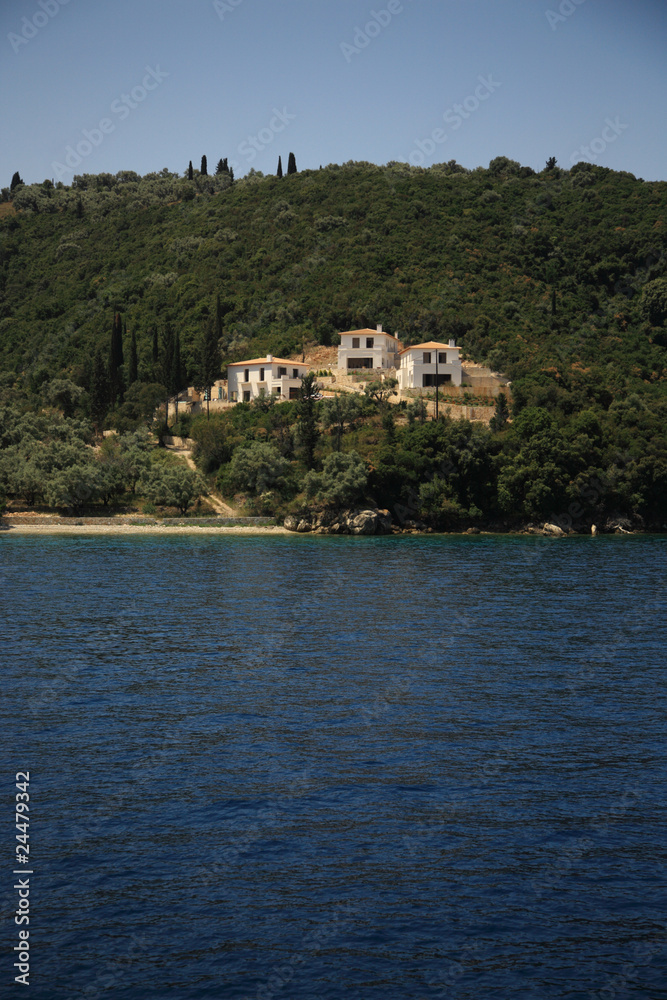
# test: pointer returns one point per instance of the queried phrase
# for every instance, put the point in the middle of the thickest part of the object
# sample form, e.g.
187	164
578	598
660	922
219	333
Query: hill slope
558	277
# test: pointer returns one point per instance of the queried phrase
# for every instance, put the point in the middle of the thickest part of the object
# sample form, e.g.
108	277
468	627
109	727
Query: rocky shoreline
376	521
354	521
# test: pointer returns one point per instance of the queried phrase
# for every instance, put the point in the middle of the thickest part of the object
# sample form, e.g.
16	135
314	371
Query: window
294	392
246	375
219	392
442	358
261	374
281	372
353	363
430	380
369	343
277	389
295	372
355	343
246	395
426	359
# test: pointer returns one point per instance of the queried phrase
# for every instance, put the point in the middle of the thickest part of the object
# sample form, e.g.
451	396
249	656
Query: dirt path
216	502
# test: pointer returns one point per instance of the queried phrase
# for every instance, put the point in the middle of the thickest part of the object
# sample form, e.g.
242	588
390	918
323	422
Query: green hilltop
558	279
559	275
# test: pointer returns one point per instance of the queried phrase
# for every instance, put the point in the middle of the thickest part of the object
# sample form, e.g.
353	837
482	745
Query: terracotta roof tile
366	333
263	361
431	345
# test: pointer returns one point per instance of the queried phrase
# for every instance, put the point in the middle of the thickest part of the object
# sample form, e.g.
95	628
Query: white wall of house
367	349
248	380
418	366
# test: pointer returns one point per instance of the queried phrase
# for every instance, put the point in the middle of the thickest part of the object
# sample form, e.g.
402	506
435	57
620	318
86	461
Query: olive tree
341	482
172	486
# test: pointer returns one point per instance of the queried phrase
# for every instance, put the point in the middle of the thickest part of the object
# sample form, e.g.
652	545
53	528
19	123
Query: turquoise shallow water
329	767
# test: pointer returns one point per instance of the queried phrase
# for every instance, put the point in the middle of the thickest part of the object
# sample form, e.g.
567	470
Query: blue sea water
290	767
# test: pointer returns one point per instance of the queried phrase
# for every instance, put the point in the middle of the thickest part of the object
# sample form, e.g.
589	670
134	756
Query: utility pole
436	383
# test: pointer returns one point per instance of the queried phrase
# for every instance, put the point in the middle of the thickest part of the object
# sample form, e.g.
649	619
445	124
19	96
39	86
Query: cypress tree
99	391
307	430
231	174
116	387
279	171
178	373
220	169
167	368
167	359
501	416
291	164
117	341
155	354
191	172
225	168
218	318
16	180
204	167
133	370
209	362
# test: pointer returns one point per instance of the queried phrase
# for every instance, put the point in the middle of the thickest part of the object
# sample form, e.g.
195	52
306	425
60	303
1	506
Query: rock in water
363	522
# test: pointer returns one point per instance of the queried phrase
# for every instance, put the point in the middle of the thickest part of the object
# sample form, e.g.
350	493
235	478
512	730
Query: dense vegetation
558	278
592	468
53	460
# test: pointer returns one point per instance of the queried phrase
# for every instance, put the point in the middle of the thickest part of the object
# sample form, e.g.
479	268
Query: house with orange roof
268	376
367	349
424	366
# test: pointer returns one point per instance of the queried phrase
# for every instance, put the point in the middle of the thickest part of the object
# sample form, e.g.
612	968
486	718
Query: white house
367	349
267	376
424	365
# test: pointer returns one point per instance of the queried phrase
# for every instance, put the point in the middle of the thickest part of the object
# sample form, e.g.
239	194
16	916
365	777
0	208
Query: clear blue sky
554	83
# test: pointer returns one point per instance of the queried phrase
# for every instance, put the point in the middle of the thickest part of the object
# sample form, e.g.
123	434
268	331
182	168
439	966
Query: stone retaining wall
199	522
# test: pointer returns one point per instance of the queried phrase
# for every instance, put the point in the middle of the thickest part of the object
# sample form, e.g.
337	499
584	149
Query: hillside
557	279
559	276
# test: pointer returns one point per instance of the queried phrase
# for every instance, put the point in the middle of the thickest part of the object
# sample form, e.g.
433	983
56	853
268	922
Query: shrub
341	482
257	468
172	486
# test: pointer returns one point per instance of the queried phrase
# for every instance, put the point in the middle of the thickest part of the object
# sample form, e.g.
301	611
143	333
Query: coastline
250	530
141	529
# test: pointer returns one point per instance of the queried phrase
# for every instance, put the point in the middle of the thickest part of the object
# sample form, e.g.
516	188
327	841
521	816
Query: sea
316	768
